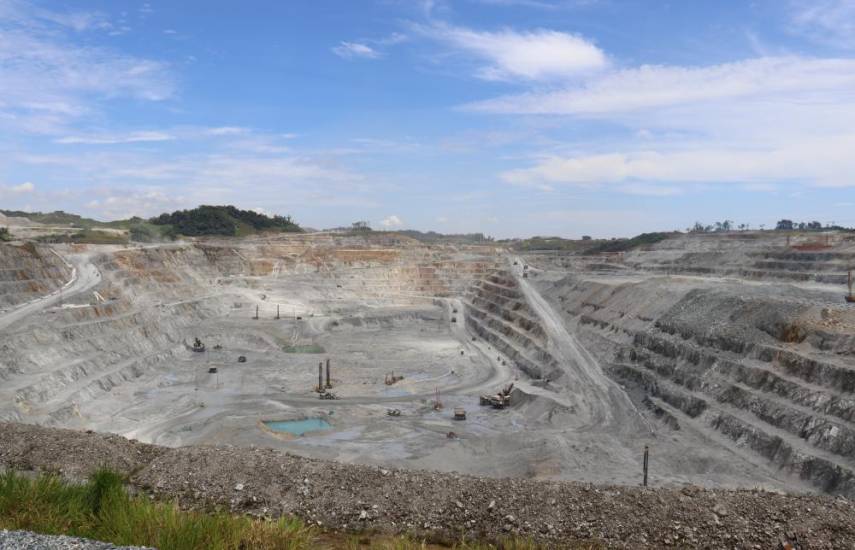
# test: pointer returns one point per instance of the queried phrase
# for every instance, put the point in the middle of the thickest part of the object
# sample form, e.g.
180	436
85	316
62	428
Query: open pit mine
730	357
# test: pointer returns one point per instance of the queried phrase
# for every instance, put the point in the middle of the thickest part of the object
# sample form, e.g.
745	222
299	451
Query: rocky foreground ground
24	540
266	482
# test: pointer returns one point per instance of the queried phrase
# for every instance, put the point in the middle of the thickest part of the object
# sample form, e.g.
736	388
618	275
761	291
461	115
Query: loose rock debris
270	483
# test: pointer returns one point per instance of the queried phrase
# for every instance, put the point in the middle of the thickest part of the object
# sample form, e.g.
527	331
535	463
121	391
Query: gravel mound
24	540
71	453
267	482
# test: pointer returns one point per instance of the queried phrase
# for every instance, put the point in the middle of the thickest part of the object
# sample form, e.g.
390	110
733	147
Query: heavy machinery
393	412
500	400
849	297
198	346
391	379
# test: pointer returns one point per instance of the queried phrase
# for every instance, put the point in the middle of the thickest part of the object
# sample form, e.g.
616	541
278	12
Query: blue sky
510	117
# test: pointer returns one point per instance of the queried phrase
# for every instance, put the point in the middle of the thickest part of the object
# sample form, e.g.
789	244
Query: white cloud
826	21
823	162
781	79
227	177
392	221
511	55
49	79
762	120
16	191
227	131
26	187
110	139
350	50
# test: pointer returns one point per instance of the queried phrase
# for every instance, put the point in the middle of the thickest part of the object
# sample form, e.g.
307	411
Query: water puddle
298	427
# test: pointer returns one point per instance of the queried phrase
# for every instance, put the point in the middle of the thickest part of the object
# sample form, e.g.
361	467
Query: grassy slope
102	509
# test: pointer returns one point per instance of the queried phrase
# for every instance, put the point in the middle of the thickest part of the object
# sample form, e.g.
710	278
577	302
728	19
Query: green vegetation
434	237
622	245
101	509
223	220
144	232
549	243
304	348
790	225
55	218
5	235
87	236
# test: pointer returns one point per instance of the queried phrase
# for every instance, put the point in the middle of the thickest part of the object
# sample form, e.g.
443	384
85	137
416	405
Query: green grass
102	509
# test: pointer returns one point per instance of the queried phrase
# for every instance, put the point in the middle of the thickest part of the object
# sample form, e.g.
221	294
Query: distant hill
57	218
204	220
223	220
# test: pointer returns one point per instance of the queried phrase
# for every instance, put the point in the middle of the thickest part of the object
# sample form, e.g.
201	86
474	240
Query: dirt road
84	276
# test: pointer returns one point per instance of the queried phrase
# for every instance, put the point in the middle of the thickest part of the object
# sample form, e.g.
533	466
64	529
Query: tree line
782	225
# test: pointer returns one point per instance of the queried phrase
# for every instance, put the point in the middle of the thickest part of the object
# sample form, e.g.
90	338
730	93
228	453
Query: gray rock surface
25	540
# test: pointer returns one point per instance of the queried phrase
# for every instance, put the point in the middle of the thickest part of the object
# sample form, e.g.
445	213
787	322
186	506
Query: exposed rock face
770	366
29	271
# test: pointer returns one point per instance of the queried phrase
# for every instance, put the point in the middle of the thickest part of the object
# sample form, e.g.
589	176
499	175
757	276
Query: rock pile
265	482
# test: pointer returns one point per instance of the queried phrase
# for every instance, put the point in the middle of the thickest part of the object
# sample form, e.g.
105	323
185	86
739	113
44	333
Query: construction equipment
198	346
459	413
393	412
850	298
437	404
391	379
500	400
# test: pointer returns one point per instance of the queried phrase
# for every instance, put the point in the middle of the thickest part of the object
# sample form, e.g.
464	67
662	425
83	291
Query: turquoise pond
298	427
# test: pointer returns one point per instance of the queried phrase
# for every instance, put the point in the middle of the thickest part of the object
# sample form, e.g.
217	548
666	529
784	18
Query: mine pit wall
756	370
29	271
55	365
496	310
749	257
